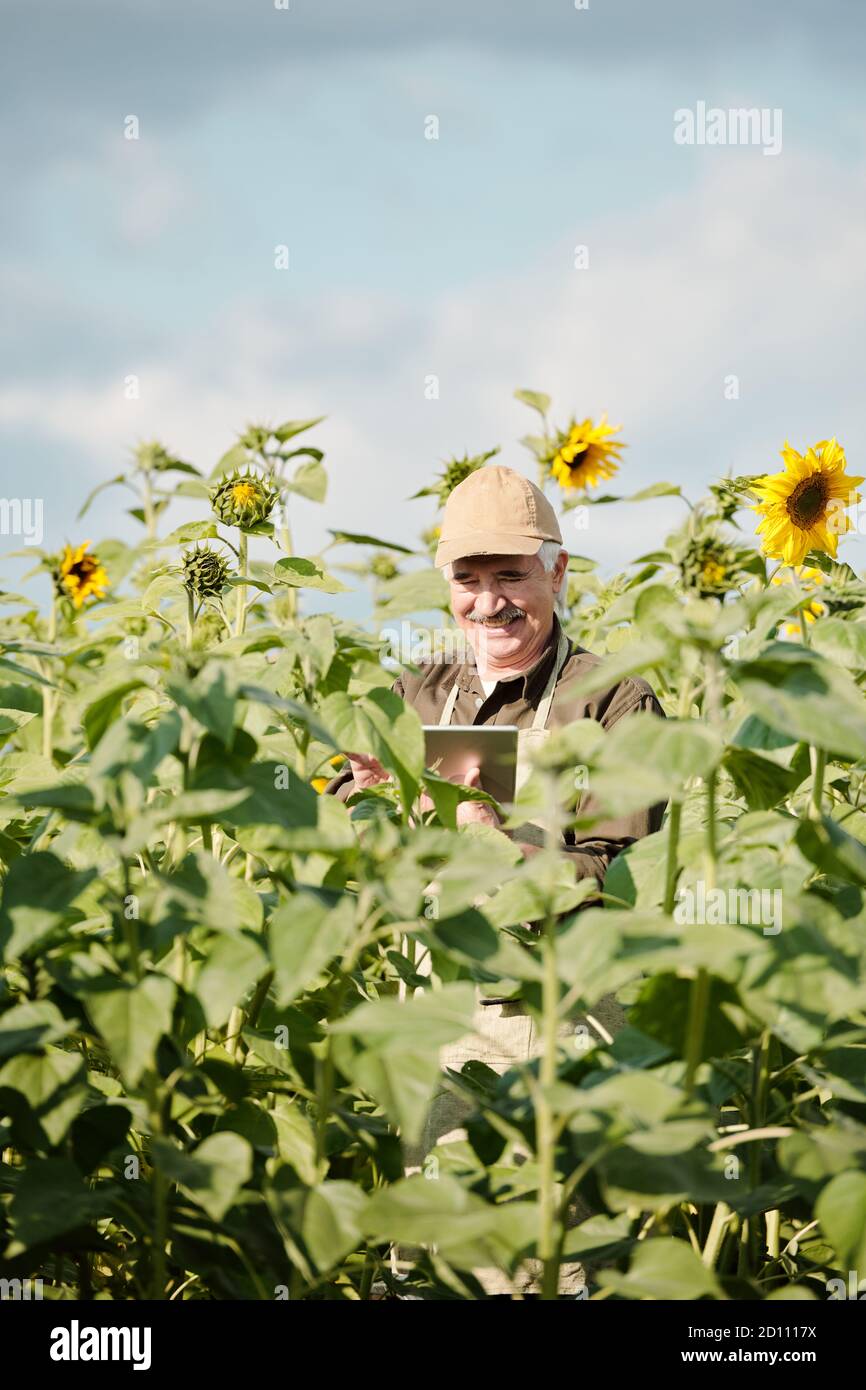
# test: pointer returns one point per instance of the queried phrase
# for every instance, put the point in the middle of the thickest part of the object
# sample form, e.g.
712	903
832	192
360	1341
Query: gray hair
548	553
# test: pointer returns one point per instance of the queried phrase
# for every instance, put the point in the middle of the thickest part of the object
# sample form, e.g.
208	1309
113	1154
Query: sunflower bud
383	566
205	572
708	567
243	499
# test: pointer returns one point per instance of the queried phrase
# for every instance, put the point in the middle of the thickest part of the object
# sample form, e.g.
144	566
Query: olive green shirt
515	701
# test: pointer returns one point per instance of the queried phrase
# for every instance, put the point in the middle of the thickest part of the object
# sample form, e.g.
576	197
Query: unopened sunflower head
79	575
585	455
382	565
205	572
708	566
456	471
243	499
803	507
806	577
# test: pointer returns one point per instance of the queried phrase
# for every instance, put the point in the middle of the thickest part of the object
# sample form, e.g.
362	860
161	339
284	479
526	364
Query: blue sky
409	256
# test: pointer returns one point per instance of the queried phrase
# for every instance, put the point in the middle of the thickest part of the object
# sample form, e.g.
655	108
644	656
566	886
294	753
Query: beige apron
505	1034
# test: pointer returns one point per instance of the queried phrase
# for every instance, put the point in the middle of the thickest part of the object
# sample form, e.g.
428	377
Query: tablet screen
452	750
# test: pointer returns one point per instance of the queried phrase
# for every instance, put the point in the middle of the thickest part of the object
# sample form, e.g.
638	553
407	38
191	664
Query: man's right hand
367	771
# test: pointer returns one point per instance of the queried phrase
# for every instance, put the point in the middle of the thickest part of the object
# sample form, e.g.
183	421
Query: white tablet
452	750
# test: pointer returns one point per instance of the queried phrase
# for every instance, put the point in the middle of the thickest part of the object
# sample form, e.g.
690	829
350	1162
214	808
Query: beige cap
495	511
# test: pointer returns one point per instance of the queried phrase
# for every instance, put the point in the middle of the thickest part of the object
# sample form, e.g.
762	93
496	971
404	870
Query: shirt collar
530	683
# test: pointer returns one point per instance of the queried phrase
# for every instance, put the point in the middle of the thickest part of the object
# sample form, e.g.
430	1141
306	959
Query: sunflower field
217	1046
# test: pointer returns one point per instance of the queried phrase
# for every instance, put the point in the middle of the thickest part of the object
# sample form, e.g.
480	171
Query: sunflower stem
190	616
147	499
699	996
48	694
549	1244
286	538
673	842
241	592
818	758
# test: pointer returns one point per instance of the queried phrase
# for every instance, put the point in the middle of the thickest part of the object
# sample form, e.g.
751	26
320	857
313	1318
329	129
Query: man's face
504	605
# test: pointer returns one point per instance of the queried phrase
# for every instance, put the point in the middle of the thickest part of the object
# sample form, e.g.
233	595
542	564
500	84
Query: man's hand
475	812
367	771
468	812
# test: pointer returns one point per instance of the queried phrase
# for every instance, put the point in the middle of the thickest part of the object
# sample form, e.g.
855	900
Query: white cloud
758	273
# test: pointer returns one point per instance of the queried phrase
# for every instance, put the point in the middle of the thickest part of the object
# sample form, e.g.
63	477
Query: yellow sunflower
81	576
586	454
805	576
802	508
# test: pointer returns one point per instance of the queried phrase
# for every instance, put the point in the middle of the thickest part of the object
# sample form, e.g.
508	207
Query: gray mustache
505	615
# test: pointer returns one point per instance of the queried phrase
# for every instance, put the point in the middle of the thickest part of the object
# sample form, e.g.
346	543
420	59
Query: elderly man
501	551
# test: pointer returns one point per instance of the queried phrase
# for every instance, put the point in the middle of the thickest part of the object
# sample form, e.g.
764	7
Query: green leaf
276	795
841	1210
356	538
655	490
53	1086
160	587
382	724
26	1027
633	659
300	573
296	1139
50	1200
309	480
132	1019
537	400
103	711
429	1019
290	428
210	698
38	894
112	482
422	591
305	934
173	465
663	1268
401	1077
188	532
213	1174
644	760
798	692
132	746
762	782
211	896
332	1224
464	1229
232	965
235	581
841	641
661	1011
826	844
